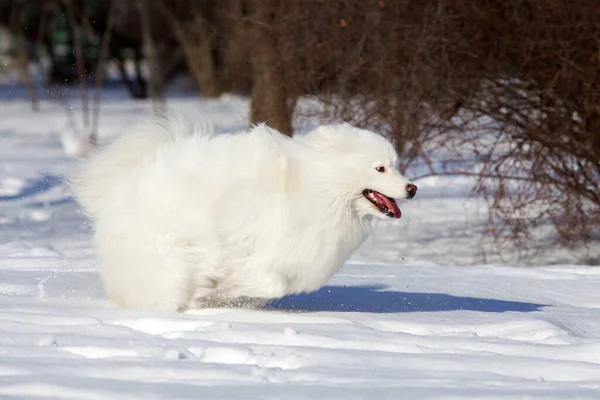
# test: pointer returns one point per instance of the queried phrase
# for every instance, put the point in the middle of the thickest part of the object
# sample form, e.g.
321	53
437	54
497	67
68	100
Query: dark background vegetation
505	91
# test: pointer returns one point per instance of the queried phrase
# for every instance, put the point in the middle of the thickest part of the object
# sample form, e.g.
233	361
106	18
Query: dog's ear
323	137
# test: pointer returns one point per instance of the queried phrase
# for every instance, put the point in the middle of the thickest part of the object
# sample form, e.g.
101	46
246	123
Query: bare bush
509	88
534	74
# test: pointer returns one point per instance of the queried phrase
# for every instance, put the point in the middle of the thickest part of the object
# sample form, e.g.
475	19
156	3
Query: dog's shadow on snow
375	299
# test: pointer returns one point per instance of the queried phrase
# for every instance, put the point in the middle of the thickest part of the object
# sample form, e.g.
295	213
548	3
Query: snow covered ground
412	316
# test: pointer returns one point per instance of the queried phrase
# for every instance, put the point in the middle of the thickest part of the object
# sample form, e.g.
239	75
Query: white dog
186	218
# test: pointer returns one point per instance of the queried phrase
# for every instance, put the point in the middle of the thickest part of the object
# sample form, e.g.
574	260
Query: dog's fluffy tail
95	177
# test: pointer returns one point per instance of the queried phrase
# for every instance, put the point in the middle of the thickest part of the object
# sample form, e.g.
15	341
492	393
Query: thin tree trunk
79	63
155	88
23	57
208	80
25	73
101	70
269	96
232	45
196	42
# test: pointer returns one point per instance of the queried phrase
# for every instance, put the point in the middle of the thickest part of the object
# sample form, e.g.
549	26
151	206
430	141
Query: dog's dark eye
381	168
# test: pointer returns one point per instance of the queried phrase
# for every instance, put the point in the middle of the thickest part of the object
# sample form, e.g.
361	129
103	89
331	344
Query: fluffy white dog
186	218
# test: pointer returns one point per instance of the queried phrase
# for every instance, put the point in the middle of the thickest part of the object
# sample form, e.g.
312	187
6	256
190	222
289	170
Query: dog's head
365	168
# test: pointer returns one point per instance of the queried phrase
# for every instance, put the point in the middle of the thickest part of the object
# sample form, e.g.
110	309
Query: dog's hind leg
142	272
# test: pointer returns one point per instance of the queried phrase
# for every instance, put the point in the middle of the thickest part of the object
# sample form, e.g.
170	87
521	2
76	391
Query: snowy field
414	315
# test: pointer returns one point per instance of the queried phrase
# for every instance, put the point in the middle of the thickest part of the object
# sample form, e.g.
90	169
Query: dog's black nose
411	190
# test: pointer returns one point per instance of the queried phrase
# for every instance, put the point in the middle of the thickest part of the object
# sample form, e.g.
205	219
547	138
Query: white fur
183	216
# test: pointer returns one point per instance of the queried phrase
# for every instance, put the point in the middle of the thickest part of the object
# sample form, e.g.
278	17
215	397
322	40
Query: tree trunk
196	41
155	86
22	60
101	69
79	63
269	96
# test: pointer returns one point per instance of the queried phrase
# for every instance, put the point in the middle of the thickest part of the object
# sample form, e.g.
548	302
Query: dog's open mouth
383	203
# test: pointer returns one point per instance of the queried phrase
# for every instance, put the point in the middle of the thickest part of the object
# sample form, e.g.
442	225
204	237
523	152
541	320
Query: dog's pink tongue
390	204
